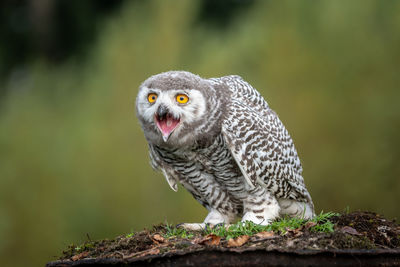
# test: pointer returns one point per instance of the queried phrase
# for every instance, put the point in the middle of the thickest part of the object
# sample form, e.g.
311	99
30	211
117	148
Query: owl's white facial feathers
184	114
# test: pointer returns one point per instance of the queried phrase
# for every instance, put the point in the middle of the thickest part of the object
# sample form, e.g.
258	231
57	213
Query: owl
221	141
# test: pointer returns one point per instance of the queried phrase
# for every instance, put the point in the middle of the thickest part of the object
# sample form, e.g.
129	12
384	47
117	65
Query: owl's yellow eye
181	98
152	97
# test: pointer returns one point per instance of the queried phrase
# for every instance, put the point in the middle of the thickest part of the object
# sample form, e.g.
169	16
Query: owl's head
172	107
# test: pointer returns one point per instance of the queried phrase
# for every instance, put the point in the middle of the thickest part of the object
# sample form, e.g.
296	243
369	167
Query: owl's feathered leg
260	207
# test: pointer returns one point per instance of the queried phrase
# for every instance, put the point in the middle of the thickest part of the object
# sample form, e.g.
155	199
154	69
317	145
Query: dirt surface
353	231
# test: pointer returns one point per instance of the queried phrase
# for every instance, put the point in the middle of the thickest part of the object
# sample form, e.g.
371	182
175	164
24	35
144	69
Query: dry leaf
239	241
80	256
215	240
349	230
296	232
265	235
158	238
308	225
203	240
210	240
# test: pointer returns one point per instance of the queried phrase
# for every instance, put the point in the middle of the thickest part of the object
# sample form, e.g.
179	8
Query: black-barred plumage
221	141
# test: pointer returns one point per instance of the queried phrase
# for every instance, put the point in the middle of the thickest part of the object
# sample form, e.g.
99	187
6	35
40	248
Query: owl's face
170	106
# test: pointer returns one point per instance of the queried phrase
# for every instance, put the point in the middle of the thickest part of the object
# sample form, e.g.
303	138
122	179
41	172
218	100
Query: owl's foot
255	218
201	226
295	208
261	211
193	226
213	219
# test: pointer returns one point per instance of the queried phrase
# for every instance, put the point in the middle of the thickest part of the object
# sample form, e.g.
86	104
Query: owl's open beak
166	122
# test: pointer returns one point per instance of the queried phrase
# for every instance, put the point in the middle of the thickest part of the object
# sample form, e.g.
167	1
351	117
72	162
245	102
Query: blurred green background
73	159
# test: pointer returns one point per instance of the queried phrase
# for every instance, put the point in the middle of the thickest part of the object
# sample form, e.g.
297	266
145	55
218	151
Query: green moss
351	242
281	226
76	249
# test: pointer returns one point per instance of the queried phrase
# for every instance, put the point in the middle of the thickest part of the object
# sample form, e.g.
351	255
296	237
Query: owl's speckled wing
260	144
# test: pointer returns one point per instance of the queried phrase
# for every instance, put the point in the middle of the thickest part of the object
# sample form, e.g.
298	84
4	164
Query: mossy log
357	239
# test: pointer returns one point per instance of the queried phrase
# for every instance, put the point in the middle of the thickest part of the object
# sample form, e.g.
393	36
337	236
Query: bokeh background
73	160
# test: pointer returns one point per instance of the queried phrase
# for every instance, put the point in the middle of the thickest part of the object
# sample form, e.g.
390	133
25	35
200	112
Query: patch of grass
173	231
281	226
235	230
323	224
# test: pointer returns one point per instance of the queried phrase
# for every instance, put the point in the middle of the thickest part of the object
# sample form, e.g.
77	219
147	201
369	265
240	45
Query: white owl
221	141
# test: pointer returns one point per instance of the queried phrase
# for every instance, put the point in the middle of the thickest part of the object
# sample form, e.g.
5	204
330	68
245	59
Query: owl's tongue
166	124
